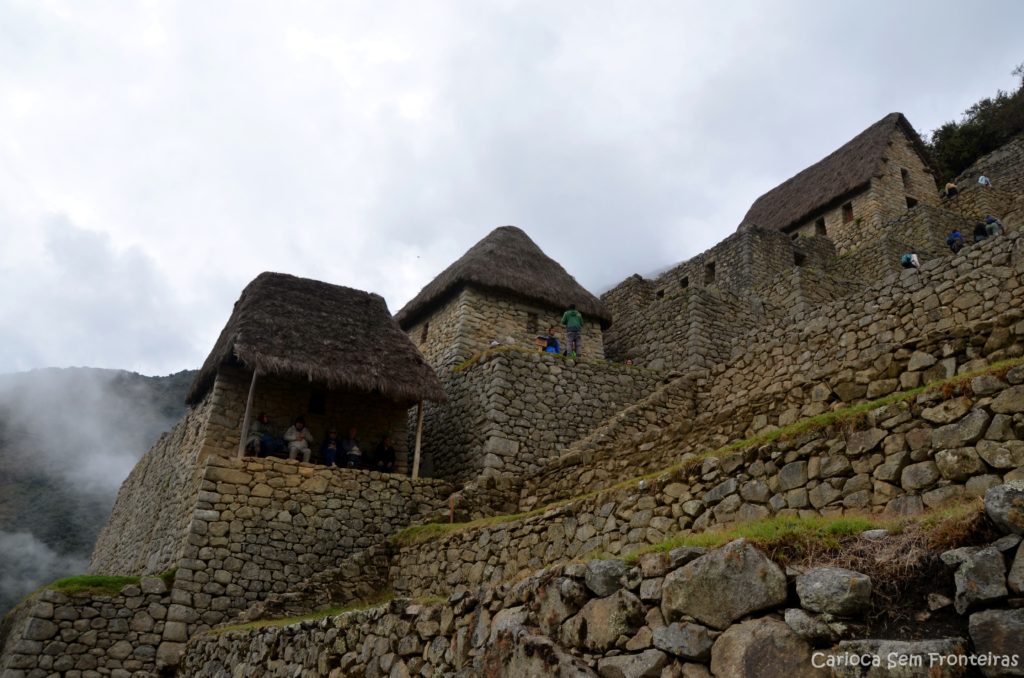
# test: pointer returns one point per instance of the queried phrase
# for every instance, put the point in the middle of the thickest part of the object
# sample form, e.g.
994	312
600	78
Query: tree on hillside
984	127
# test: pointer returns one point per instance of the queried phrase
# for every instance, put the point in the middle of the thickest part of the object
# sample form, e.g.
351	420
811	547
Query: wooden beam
419	439
248	416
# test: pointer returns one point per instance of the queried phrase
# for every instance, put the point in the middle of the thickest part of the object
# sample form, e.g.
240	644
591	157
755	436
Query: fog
68	437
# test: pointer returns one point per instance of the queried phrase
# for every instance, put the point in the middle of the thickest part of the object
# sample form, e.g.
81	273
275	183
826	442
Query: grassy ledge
848	417
509	348
381	598
89	584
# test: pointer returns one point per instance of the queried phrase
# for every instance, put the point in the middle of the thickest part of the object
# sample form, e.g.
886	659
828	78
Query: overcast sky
156	156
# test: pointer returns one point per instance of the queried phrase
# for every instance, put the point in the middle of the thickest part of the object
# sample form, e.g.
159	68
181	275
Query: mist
68	438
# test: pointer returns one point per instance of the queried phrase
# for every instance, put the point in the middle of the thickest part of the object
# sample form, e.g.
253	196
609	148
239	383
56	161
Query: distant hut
872	179
503	288
295	346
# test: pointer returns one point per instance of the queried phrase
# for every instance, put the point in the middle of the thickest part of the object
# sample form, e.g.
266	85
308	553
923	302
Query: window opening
819	227
709	273
423	333
911	202
847	212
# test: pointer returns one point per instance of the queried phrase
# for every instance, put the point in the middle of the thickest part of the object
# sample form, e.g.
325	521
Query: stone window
531	323
819	227
660	294
684	282
911	202
847	212
423	333
709	273
905	175
799	258
317	401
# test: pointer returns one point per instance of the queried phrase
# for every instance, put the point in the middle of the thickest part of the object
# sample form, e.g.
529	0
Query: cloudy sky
156	156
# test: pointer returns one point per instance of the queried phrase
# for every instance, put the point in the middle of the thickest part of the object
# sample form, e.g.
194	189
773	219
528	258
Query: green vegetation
849	417
381	598
984	127
89	584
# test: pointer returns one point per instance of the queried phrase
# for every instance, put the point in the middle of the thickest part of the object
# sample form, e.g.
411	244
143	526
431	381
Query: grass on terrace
848	417
92	585
380	599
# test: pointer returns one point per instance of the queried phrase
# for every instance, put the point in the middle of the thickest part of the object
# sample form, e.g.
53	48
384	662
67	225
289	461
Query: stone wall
842	353
284	399
91	635
1003	166
148	526
474	318
677	614
924	452
512	410
263	526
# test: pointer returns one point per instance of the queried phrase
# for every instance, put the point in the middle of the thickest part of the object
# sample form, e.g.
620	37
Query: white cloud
370	145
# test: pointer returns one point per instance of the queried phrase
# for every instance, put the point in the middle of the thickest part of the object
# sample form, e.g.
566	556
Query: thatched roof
833	180
307	329
507	261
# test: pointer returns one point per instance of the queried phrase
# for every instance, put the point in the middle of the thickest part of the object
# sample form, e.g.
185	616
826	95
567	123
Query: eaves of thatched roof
336	336
506	261
832	180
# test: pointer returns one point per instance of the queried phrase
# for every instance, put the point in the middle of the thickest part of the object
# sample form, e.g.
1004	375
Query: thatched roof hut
833	180
506	260
337	336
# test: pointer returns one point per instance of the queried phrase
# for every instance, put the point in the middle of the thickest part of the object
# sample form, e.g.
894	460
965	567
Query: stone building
504	288
302	347
853	192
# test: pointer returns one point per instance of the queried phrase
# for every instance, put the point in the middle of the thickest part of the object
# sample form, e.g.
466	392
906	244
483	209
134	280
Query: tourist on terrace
951	191
980	232
384	456
552	345
350	446
573	322
330	447
261	440
984	181
993	226
955	240
298	438
910	260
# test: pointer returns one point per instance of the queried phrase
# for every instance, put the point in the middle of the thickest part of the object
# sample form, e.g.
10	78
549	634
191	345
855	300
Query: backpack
907	260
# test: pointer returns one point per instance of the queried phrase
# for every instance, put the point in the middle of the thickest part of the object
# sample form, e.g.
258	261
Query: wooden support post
419	438
248	416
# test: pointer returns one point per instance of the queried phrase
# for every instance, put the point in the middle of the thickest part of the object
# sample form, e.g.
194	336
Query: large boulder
689	641
834	590
999	633
647	664
894	658
558	600
766	648
723	586
604	577
517	654
980	578
1004	504
601	621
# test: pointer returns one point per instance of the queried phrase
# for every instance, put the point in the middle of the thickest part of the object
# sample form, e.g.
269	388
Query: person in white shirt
984	181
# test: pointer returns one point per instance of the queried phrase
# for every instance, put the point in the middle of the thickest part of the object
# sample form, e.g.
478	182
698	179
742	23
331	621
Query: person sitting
984	181
951	189
955	240
298	438
350	447
993	226
261	440
551	344
384	456
330	447
910	260
980	232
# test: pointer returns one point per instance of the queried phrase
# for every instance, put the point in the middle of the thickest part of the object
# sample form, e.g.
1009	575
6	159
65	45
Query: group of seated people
334	450
982	230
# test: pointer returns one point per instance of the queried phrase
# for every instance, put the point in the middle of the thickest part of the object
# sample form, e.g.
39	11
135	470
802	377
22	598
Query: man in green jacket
573	322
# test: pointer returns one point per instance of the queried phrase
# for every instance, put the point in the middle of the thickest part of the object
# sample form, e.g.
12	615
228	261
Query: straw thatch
507	261
336	336
832	181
